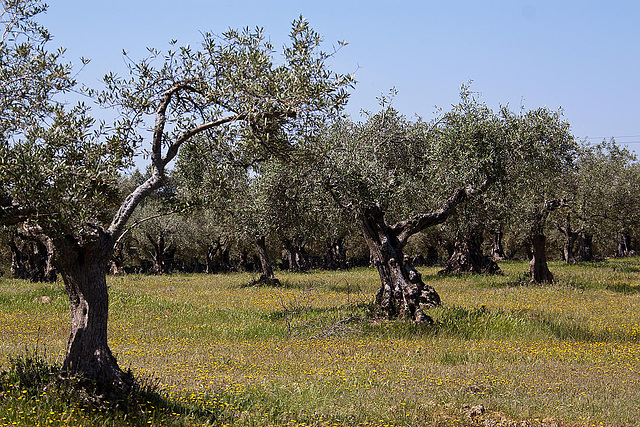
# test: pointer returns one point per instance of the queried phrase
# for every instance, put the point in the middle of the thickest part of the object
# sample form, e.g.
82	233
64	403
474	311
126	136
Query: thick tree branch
158	162
132	200
161	119
405	229
138	222
175	146
537	225
12	213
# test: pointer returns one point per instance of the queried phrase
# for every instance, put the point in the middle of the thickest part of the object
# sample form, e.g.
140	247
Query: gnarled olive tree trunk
468	258
266	277
538	267
570	238
402	292
83	265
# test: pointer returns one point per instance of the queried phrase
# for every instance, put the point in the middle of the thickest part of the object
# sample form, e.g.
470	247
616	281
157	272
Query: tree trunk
116	267
570	238
402	292
467	258
585	247
497	251
31	259
336	256
267	277
296	255
624	244
18	268
225	261
83	266
162	255
538	268
211	257
116	263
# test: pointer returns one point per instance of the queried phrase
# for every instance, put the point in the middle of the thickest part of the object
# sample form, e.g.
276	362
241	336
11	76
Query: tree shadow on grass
484	323
30	377
623	288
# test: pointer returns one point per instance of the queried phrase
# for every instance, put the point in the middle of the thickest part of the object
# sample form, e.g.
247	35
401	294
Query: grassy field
310	353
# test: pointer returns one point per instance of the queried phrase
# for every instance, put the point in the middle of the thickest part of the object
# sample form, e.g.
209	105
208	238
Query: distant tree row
597	216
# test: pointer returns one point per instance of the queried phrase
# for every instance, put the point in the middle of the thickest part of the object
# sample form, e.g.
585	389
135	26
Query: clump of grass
477	323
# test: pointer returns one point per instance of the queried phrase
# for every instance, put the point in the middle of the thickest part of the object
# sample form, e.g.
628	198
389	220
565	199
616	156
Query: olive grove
265	162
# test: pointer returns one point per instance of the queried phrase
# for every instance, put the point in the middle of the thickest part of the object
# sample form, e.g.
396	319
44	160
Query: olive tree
539	176
398	177
606	198
60	178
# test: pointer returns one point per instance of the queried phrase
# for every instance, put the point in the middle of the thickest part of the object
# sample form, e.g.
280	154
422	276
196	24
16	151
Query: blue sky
583	56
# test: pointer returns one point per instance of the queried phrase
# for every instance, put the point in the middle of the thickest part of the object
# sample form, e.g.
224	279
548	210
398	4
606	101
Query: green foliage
56	170
605	191
61	170
540	164
232	74
29	74
408	167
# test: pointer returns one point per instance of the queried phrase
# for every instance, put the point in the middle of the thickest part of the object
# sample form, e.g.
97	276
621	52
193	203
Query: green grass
207	350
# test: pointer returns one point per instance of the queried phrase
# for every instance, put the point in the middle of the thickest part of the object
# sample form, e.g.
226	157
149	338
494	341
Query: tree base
266	281
467	259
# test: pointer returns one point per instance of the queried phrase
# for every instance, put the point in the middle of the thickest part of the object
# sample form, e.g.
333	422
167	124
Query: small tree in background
606	198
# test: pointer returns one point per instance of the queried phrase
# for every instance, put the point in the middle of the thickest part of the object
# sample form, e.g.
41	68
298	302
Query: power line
618	139
612	136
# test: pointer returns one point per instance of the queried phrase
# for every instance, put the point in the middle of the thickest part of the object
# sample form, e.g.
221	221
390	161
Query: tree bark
83	265
212	250
538	268
624	244
266	277
402	292
31	259
570	237
335	257
585	247
296	255
162	255
497	251
116	263
467	258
